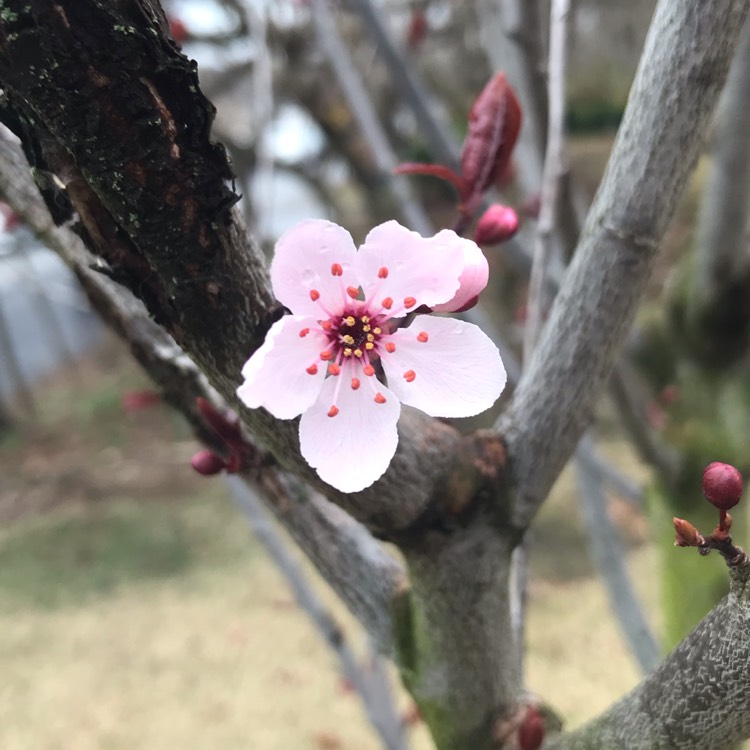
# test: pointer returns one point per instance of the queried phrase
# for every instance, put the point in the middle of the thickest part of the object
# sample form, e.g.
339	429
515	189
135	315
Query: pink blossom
331	359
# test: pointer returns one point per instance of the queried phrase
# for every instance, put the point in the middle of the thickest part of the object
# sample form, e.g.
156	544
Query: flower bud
498	223
473	278
206	462
531	731
686	535
722	485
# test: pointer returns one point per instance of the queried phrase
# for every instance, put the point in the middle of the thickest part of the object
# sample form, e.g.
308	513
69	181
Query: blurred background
137	609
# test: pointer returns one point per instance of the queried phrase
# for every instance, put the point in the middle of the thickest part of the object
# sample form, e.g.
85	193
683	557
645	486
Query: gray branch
685	62
698	699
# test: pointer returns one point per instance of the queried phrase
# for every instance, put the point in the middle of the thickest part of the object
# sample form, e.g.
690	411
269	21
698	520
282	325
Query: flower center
356	335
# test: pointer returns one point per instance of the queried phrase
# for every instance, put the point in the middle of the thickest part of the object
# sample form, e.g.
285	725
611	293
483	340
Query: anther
304	332
383	273
336	269
366	329
379	398
377	331
357	352
370	337
314	295
369	346
347	351
312	369
326	325
409	302
355	384
423	337
350	320
387	303
365	319
326	355
352	291
409	376
348	339
334	369
333	411
368	370
390	347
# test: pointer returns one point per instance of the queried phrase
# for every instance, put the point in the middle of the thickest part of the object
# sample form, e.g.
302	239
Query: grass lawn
136	610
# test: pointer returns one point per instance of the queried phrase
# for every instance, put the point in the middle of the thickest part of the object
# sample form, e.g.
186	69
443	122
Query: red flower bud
531	731
207	463
498	223
494	124
177	29
722	485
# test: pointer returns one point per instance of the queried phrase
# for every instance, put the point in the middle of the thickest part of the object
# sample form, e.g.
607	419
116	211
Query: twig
554	172
409	84
608	556
651	448
363	110
371	684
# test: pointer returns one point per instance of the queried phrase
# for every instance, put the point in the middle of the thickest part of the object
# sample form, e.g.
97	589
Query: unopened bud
531	731
722	485
177	29
206	462
686	535
497	224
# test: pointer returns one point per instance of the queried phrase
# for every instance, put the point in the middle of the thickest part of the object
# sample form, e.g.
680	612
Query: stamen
304	332
336	269
326	325
369	346
314	295
355	383
350	321
333	411
379	398
383	273
348	339
366	329
347	351
387	303
365	319
370	337
409	302
423	337
312	369
357	352
326	355
352	291
409	376
390	347
368	370
377	331
334	369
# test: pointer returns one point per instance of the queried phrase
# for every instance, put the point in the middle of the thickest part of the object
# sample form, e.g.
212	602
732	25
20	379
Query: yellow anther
365	319
370	337
350	320
365	328
377	331
357	352
347	352
348	339
369	345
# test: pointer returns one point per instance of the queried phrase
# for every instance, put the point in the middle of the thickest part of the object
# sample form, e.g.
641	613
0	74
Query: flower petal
475	274
303	267
276	376
445	367
399	264
353	449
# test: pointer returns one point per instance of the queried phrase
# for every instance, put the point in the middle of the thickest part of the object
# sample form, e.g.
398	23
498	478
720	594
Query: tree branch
698	699
684	64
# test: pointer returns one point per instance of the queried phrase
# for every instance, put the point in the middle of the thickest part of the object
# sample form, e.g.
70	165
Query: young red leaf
433	170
